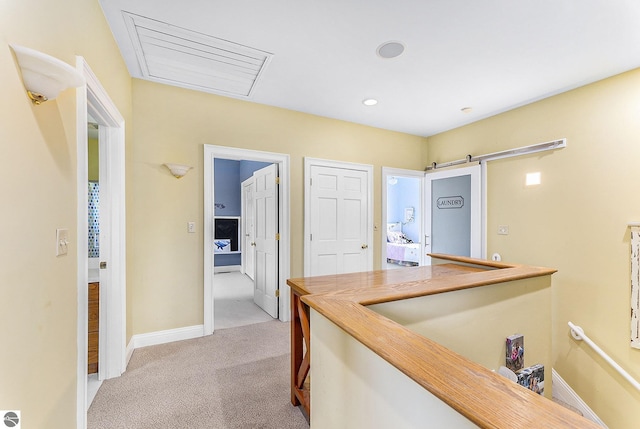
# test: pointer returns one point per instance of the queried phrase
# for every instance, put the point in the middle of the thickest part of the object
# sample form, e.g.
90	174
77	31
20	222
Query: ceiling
320	57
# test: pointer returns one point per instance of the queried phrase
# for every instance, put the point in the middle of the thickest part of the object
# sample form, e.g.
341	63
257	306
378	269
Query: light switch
62	241
191	227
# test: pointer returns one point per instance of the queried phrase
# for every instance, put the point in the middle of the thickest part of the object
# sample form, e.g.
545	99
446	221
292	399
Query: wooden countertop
449	376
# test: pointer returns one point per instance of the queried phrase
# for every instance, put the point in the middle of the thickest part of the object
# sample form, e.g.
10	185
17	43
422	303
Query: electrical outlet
191	227
503	229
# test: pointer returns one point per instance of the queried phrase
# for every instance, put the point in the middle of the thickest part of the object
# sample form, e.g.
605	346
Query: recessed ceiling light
466	110
390	49
369	101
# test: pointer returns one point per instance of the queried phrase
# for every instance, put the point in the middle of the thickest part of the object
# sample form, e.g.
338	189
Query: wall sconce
44	76
178	170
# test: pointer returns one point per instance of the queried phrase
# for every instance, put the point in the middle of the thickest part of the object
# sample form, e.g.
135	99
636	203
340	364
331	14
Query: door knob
364	246
253	244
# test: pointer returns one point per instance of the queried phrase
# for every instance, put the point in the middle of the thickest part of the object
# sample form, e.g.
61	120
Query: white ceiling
491	55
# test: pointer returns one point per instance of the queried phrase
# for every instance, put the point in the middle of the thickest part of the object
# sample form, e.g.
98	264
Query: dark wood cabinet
94	324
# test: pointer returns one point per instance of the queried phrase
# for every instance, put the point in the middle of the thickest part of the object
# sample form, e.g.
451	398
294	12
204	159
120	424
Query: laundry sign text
455	202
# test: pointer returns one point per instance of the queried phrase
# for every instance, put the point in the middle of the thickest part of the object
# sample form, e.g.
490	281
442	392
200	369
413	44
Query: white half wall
345	395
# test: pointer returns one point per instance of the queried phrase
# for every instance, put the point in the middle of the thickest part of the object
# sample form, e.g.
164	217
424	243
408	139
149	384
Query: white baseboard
565	393
163	337
227	268
129	352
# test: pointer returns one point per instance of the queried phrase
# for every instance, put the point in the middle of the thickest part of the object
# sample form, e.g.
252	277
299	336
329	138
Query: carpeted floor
235	378
233	301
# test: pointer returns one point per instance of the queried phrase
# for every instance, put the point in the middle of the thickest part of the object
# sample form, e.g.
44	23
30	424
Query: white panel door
338	220
248	214
454	212
266	243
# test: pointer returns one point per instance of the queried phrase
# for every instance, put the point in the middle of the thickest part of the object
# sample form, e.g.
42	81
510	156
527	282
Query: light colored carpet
235	378
233	301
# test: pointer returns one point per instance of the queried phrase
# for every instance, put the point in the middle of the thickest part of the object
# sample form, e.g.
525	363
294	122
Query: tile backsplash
94	220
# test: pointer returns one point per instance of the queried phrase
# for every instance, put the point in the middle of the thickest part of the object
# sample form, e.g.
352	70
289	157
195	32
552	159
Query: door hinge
310	237
277	180
277	293
277	236
311	181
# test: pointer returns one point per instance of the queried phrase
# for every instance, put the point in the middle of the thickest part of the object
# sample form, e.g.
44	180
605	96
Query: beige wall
353	387
475	322
38	290
575	221
93	158
165	263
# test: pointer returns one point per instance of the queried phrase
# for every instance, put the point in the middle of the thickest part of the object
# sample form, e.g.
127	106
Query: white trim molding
564	392
83	252
92	99
164	337
635	285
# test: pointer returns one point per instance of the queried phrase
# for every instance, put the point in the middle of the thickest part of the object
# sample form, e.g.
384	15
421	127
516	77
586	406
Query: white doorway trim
93	99
308	162
212	152
387	173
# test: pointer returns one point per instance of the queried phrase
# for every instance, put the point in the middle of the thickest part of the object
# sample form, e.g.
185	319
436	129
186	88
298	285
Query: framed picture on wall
408	214
222	245
226	234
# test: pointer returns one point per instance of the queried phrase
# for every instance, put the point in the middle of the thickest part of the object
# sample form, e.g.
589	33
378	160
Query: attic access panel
180	57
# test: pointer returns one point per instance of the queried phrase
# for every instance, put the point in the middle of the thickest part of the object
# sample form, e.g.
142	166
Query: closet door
338	220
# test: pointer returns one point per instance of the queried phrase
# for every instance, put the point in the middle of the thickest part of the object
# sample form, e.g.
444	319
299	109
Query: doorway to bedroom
402	229
270	205
238	292
435	212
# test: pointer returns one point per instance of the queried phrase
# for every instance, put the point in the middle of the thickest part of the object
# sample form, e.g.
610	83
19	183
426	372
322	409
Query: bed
400	249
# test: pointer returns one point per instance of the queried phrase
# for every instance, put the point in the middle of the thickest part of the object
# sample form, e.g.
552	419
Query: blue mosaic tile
94	220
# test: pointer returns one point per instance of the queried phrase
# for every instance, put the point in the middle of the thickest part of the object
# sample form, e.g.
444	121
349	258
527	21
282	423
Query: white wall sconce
178	170
44	76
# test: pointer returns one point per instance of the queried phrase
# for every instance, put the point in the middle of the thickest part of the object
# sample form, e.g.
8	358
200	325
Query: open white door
454	212
266	239
338	219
